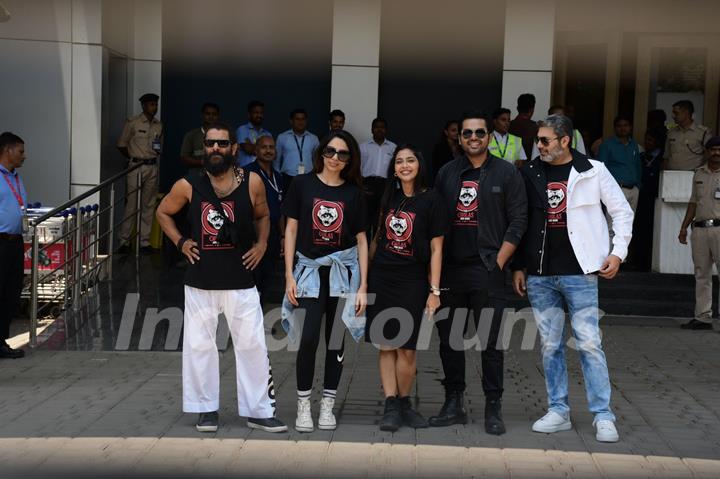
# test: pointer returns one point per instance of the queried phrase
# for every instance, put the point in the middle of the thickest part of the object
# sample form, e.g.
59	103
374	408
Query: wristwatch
435	290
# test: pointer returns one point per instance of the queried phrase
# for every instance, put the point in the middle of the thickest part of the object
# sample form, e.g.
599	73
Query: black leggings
315	309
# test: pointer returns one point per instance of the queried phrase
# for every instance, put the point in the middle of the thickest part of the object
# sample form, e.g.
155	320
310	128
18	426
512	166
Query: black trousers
374	189
453	357
266	270
315	309
287	181
11	282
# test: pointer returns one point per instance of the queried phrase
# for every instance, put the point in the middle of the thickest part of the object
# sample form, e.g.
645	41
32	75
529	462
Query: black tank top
220	265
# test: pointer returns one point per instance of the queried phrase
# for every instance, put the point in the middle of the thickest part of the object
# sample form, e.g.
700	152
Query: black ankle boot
410	417
392	418
452	412
493	417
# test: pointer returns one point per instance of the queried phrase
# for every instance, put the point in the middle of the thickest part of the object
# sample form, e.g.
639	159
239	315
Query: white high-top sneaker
303	421
326	421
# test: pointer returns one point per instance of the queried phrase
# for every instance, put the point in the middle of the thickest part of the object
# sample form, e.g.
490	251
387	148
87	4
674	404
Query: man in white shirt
503	144
375	158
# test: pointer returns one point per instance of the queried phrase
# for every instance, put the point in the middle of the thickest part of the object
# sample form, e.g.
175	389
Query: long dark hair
392	184
351	171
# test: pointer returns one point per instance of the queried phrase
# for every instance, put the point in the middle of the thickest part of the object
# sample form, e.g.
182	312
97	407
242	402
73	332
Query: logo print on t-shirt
399	232
557	203
211	221
466	210
327	222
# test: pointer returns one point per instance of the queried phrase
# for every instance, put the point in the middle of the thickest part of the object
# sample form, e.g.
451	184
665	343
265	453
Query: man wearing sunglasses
487	205
565	249
230	223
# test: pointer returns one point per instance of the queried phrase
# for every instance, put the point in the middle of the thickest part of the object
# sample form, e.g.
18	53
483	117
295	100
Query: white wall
53	55
36	58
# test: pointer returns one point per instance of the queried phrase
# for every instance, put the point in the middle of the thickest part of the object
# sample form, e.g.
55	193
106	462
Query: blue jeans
548	295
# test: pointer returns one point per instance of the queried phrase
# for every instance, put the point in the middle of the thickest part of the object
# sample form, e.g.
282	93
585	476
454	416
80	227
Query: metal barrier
64	247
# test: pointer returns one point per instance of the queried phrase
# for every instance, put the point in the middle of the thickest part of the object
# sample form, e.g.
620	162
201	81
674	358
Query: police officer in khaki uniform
684	144
141	142
703	212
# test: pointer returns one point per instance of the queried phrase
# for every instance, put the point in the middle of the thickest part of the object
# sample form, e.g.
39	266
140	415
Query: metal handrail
82	262
85	195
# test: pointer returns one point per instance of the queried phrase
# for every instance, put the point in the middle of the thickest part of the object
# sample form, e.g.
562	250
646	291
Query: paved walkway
88	411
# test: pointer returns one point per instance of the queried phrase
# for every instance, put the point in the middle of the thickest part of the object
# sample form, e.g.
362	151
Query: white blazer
586	223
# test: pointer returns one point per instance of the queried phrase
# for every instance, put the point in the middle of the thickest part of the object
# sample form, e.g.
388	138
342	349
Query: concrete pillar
145	59
86	99
528	60
356	63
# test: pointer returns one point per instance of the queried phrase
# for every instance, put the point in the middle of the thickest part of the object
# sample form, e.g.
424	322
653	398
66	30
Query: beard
552	155
217	168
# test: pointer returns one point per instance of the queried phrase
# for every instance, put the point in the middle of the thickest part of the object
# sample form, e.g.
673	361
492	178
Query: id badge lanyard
18	197
300	146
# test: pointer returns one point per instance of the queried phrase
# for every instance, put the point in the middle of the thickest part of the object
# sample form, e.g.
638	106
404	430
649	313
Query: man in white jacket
565	249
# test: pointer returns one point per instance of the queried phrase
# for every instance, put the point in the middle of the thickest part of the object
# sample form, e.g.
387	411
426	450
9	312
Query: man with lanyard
141	142
192	150
621	155
263	166
295	148
375	155
503	144
13	221
703	214
248	134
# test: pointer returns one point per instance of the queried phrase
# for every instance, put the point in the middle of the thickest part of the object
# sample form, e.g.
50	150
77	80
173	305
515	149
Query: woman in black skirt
404	277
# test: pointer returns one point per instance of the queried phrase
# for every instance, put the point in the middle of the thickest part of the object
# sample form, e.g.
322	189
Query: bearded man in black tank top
230	223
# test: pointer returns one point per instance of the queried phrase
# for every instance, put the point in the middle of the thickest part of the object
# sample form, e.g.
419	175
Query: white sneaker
552	422
326	421
303	421
605	431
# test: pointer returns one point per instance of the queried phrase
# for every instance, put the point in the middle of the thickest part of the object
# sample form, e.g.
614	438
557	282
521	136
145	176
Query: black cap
713	142
149	97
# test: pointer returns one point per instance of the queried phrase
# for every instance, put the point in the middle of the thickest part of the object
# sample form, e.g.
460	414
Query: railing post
138	212
77	247
33	288
111	235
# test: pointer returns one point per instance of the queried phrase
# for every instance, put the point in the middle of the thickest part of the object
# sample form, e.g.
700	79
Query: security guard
141	142
703	212
684	144
13	221
503	144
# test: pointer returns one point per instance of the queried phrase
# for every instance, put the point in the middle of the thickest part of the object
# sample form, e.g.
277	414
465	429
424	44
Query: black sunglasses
221	143
342	155
480	133
544	140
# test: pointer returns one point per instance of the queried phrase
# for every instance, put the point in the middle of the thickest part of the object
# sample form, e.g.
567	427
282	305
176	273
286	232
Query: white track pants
201	373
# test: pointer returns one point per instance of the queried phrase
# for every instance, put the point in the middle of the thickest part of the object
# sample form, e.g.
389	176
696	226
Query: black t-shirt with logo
559	256
329	217
410	225
462	238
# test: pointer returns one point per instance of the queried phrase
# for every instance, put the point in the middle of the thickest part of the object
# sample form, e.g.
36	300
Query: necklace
238	176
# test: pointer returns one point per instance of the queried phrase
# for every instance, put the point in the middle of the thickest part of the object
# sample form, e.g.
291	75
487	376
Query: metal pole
111	235
33	289
77	247
138	210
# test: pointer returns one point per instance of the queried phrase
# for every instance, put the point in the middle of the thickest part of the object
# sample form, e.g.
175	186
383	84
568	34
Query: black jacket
529	254
502	211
